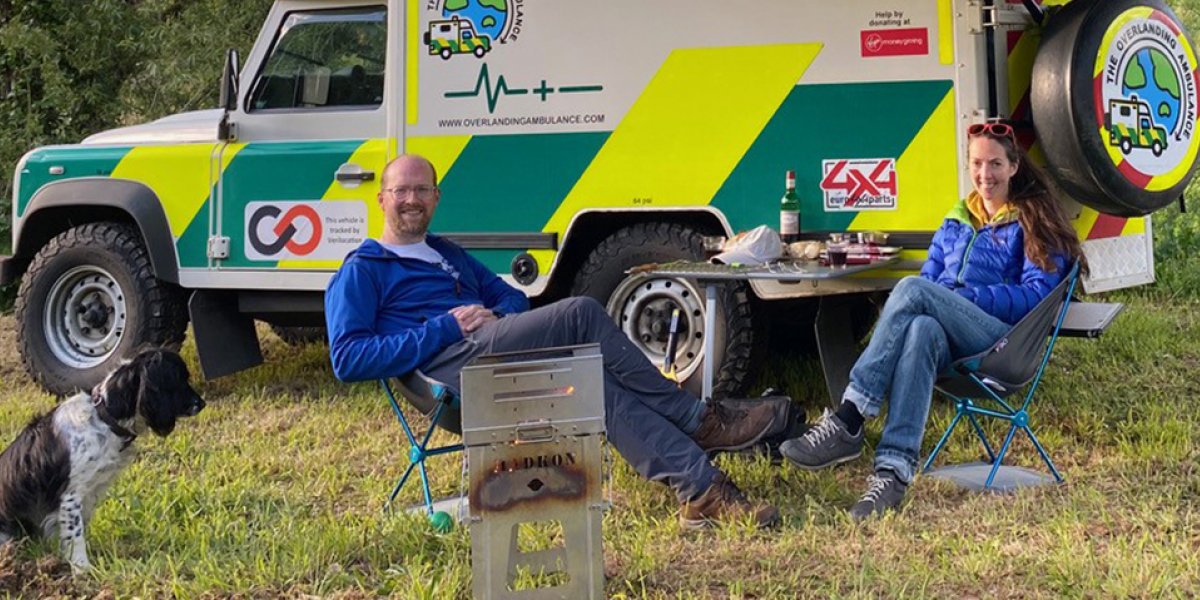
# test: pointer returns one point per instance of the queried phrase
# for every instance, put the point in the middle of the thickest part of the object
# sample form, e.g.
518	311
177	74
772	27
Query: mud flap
225	338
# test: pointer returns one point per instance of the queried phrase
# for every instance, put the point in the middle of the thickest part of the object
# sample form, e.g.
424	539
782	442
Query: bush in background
70	68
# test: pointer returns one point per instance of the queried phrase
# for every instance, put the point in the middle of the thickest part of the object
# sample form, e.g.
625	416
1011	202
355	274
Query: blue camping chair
444	410
1016	360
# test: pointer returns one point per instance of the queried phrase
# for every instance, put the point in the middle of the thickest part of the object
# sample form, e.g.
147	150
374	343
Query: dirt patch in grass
11	370
45	577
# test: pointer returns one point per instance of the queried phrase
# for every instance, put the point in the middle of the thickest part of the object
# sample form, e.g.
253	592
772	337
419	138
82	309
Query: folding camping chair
443	407
1017	359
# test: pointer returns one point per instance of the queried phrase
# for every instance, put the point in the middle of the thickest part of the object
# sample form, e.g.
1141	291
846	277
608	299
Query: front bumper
8	269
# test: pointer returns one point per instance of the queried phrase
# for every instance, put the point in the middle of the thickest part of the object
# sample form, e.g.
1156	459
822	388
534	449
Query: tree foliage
70	68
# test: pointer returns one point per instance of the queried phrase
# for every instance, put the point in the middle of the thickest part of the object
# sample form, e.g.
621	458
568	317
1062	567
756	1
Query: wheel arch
62	205
591	227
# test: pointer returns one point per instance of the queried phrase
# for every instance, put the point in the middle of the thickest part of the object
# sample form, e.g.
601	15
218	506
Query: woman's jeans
923	328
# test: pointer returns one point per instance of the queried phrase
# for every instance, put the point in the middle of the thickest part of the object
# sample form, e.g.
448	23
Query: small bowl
873	238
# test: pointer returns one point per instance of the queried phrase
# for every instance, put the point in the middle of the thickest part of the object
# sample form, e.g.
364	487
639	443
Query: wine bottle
789	211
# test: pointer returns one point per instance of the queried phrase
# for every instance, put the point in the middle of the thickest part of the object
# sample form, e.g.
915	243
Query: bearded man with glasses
413	300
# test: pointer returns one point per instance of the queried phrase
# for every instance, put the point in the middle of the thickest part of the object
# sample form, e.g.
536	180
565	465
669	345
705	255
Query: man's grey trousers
646	414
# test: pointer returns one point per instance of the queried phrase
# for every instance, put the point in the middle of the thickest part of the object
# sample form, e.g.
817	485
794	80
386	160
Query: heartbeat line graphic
483	84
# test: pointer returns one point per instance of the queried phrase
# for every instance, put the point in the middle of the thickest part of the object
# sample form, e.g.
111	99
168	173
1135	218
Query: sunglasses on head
995	129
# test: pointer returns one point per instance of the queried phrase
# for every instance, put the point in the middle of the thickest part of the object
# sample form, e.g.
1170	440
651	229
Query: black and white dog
57	470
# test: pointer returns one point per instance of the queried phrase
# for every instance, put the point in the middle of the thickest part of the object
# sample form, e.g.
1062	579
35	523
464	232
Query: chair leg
942	442
399	484
1000	457
1042	451
418	451
983	438
425	488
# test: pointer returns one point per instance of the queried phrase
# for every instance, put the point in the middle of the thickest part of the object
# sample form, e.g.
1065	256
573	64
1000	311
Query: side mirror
229	95
229	81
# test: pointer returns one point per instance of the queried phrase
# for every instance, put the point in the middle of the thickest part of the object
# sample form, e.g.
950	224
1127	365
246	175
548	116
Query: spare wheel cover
1114	101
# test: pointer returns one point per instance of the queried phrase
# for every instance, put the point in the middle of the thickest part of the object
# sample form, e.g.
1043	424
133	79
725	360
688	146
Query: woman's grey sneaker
885	492
828	443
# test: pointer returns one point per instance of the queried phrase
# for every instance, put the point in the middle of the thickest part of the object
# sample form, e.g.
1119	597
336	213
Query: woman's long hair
1040	213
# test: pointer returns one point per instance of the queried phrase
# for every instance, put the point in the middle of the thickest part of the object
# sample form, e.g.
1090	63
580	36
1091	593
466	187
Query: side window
324	59
1124	111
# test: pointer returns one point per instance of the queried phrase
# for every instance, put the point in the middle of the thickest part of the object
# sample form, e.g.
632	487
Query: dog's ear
156	396
122	388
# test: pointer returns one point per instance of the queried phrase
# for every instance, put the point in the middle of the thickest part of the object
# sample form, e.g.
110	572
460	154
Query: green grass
277	489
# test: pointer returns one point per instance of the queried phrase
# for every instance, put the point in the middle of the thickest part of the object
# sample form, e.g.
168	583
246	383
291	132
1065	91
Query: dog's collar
100	402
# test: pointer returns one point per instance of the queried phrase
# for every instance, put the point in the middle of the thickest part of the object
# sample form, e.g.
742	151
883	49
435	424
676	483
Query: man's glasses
995	129
421	192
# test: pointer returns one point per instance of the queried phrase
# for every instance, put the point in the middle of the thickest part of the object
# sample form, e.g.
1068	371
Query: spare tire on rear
1114	101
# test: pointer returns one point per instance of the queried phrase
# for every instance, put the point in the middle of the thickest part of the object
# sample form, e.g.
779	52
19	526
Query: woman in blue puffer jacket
996	255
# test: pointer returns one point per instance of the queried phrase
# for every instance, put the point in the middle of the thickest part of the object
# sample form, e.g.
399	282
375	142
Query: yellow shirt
978	212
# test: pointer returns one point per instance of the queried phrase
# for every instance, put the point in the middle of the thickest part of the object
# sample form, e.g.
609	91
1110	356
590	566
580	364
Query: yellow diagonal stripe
926	177
1084	223
1134	226
442	150
370	155
1020	67
687	131
180	175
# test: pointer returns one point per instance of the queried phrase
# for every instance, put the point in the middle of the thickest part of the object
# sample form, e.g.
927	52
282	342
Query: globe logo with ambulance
469	27
1146	98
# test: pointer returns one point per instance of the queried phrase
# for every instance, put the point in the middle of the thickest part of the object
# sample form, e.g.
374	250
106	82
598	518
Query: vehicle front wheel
642	305
89	300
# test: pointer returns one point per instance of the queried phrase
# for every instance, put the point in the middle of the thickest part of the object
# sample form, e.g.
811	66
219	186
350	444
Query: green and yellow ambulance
585	138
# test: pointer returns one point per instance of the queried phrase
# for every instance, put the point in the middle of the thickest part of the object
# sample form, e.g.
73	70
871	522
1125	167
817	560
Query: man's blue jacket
388	315
988	265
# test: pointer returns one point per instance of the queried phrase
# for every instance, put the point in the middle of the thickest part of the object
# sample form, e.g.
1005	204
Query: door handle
359	177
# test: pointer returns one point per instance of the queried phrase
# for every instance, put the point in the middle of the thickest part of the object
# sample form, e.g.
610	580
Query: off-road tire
603	273
152	312
300	336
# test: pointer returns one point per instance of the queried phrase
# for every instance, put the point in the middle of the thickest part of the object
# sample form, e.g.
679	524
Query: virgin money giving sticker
1146	98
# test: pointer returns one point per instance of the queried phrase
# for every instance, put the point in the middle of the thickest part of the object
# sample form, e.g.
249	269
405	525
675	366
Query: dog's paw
81	567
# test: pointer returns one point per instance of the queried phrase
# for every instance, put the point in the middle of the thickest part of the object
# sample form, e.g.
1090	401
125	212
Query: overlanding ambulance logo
304	230
471	26
859	184
1146	98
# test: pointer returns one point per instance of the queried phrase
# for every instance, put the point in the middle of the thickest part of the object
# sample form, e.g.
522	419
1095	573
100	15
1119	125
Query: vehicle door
311	140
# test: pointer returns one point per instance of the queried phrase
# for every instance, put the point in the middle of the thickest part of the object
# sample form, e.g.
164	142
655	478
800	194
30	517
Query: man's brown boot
724	428
723	501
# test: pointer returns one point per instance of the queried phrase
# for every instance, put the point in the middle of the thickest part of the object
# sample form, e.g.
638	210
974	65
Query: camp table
835	343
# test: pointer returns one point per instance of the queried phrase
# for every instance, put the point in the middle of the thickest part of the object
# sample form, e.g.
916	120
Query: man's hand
472	317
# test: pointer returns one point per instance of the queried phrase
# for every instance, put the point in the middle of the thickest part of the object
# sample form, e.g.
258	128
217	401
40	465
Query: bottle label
789	223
